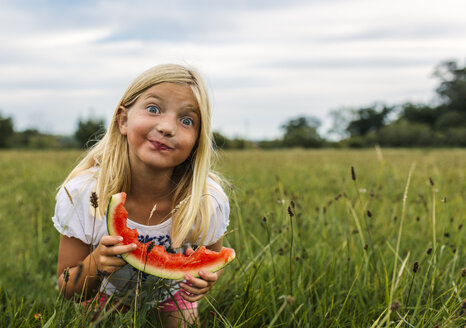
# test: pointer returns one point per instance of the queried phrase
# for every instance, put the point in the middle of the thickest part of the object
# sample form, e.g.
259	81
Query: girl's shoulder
82	181
215	190
74	215
76	191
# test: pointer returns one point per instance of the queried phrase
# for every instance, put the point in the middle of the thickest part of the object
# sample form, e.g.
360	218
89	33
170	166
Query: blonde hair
191	209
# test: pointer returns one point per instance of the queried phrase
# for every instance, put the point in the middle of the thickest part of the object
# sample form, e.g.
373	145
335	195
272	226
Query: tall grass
315	248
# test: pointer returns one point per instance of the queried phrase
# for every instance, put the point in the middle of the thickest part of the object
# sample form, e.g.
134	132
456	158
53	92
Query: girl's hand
196	288
105	255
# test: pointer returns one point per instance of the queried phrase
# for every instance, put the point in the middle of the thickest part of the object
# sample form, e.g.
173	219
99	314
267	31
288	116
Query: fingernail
120	238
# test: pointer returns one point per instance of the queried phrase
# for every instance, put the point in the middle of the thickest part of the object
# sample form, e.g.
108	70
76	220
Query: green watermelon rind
177	274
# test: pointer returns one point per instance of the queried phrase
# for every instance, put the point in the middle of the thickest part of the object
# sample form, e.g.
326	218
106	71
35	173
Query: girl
158	150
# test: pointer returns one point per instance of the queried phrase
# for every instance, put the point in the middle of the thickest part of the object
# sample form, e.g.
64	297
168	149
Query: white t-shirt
74	217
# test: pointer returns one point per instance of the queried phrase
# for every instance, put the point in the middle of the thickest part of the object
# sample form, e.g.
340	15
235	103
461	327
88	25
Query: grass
317	246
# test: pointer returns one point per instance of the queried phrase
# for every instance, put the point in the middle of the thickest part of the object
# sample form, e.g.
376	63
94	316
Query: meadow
324	238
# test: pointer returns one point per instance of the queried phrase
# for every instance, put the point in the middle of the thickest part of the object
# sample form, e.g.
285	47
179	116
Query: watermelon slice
158	262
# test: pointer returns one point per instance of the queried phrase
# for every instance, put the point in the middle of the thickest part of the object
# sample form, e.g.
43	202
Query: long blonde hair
192	209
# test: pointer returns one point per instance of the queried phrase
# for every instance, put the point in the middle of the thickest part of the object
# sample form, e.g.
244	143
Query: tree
452	88
340	120
419	113
302	132
89	132
6	131
368	119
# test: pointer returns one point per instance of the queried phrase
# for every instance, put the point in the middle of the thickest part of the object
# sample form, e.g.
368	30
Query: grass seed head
369	213
66	274
460	226
463	272
292	204
395	306
94	200
290	212
429	251
290	299
78	273
150	247
353	174
431	181
366	246
416	267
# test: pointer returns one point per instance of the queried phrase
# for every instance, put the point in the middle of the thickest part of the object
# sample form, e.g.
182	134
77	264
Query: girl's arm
198	287
78	267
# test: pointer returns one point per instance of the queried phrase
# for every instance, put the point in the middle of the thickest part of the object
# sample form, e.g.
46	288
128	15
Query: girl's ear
122	117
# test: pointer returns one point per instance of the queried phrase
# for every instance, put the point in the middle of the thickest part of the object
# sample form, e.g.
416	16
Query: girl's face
162	126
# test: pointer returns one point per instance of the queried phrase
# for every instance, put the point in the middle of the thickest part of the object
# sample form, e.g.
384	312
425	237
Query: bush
405	134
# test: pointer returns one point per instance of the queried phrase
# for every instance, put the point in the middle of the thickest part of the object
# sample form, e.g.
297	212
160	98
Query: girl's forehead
170	90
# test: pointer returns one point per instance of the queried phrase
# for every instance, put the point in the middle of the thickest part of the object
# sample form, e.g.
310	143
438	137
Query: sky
265	62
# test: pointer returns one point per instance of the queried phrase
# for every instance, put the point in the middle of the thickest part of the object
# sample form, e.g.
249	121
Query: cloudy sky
265	62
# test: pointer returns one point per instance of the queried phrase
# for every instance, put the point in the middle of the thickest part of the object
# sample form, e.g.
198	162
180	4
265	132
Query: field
324	238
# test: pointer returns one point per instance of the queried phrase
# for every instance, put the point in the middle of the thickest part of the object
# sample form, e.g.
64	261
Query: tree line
439	124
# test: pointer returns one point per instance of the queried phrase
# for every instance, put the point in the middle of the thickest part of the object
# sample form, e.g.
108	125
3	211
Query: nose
166	125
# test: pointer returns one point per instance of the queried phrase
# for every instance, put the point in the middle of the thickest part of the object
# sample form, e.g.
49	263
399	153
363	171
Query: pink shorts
172	304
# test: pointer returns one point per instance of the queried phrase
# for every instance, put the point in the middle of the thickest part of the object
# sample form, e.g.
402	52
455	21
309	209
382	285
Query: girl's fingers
111	240
118	250
209	276
194	290
199	285
191	298
196	282
112	262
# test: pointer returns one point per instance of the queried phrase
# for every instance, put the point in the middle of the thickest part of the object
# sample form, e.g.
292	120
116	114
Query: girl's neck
150	185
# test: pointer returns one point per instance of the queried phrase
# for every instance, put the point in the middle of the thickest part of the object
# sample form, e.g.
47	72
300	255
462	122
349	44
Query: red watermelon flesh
158	262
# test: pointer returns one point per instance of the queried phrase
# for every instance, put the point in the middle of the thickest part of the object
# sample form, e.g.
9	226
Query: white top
74	217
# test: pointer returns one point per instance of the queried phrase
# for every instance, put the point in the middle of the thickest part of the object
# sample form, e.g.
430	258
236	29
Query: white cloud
263	65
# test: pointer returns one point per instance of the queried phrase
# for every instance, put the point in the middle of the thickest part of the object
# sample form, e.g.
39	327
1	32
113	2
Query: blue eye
153	109
187	121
